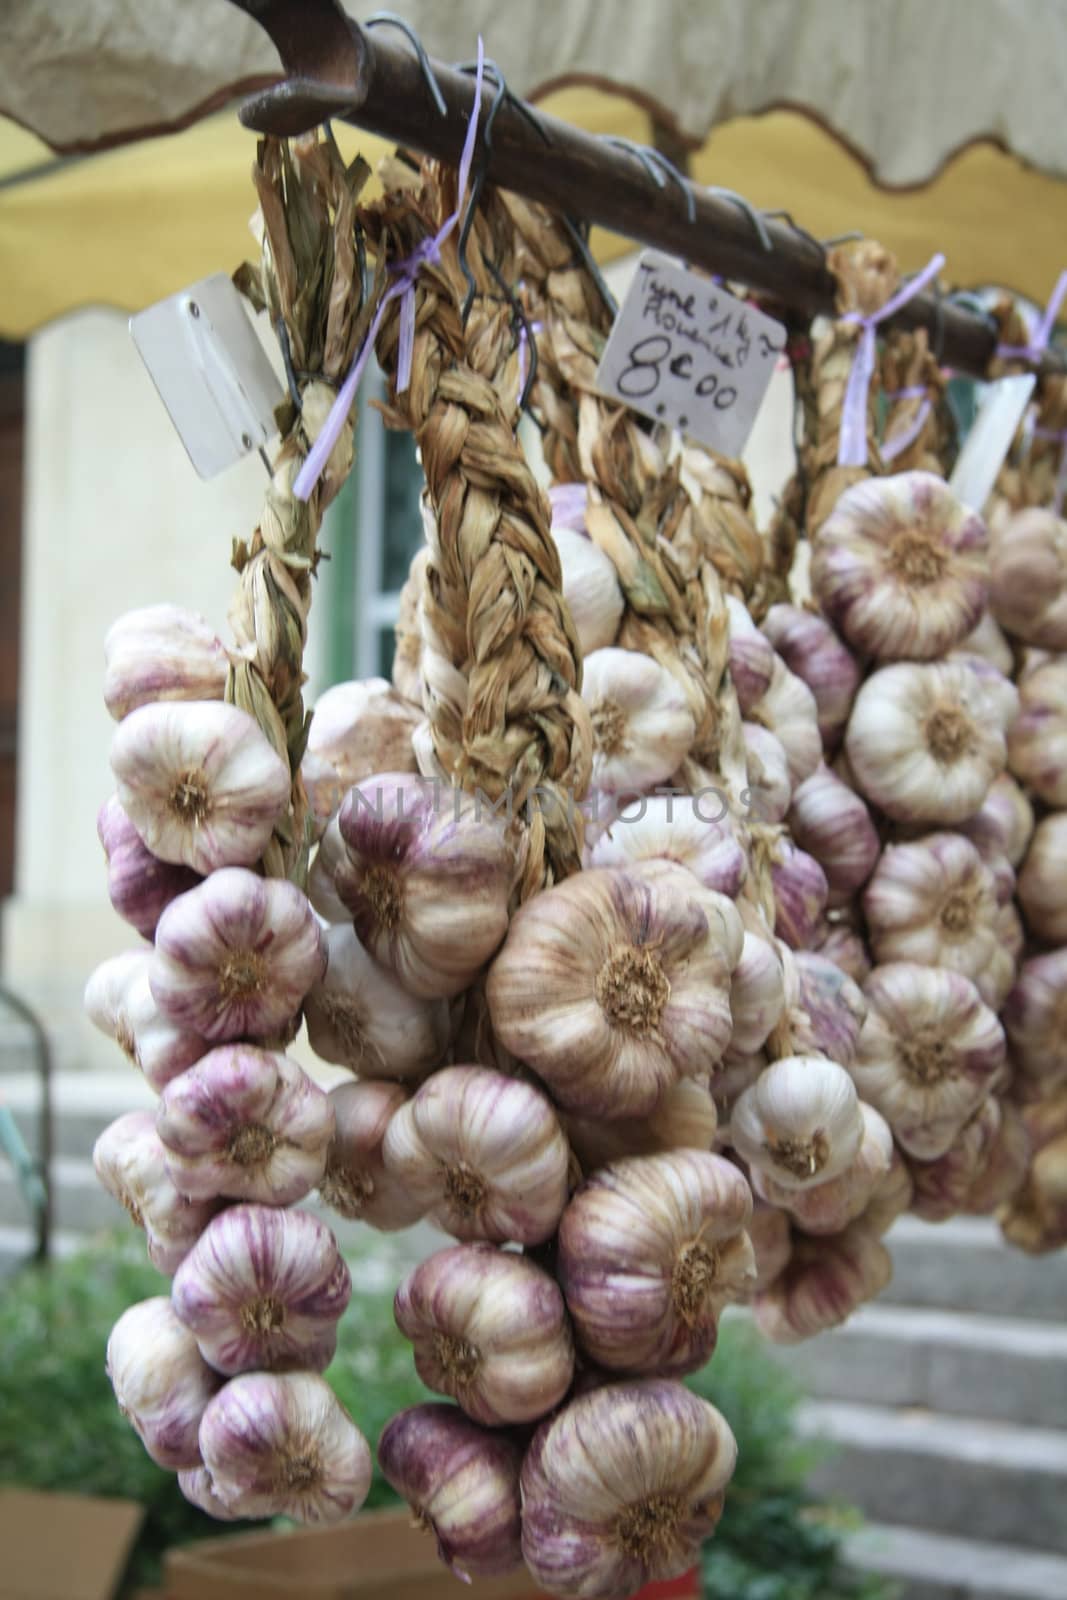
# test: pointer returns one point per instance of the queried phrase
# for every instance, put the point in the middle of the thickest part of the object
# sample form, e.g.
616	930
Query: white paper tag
986	447
211	372
687	353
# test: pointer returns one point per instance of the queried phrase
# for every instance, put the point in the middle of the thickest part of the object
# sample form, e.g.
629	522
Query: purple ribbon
568	502
899	441
1043	332
852	446
405	274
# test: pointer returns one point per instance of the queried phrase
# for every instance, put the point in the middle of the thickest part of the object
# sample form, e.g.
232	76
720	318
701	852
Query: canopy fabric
904	83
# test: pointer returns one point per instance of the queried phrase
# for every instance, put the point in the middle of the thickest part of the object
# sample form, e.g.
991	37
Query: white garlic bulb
1000	692
281	1444
757	994
643	725
200	782
829	1012
928	1054
161	653
590	588
838	941
825	1281
196	1485
119	1001
900	566
933	901
356	1183
770	787
685	1119
139	885
751	656
789	711
357	729
129	1160
986	640
940	1188
772	1242
161	1381
321	889
359	1015
245	1123
1003	824
621	1487
1042	888
994	982
799	1122
829	821
671	828
650	1250
426	877
489	1328
830	1207
922	742
612	985
891	1197
484	1155
800	893
810	648
236	956
1033	1018
262	1289
1037	740
1004	1165
1028	577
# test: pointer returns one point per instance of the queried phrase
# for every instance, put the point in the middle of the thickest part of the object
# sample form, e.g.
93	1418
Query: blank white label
986	447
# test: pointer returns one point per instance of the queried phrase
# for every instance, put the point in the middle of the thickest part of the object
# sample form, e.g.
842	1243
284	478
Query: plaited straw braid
1011	491
908	363
308	279
500	660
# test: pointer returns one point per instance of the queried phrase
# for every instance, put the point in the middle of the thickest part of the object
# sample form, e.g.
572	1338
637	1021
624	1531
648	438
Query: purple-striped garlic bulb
360	1016
139	885
800	893
812	650
247	1124
771	1238
119	1001
161	653
197	1487
900	566
929	1053
830	1012
941	1187
825	1281
1004	1166
799	1122
671	828
1035	1021
891	1197
426	876
263	1289
830	1207
357	729
751	656
614	984
235	957
161	1381
650	1250
200	781
1003	824
130	1162
1028	577
770	787
757	994
321	887
839	941
282	1445
831	822
933	901
643	722
622	1487
789	711
1041	885
462	1482
685	1119
483	1155
490	1330
995	981
986	639
1037	739
356	1183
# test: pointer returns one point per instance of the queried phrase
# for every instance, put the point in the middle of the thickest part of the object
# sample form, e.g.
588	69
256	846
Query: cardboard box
64	1546
380	1554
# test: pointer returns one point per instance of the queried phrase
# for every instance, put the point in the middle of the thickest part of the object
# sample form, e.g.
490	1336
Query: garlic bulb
1028	577
161	1381
484	1155
426	877
357	729
643	725
757	994
161	653
830	1012
670	827
826	1280
196	1485
830	1207
263	1288
200	783
612	985
933	901
941	1186
771	1238
129	1161
1037	741
119	1001
462	1483
621	1488
751	657
891	1197
829	821
800	893
236	956
1036	1219
139	885
900	566
1004	1166
650	1250
359	1015
590	588
789	711
812	650
685	1119
1002	697
799	1122
1041	881
928	1054
321	889
282	1445
736	1072
839	942
1003	824
1035	1019
770	788
245	1123
922	742
489	1329
994	982
356	1183
986	640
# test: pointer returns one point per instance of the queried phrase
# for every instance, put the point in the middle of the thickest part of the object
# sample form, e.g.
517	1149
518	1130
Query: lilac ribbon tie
852	446
1043	332
898	442
405	274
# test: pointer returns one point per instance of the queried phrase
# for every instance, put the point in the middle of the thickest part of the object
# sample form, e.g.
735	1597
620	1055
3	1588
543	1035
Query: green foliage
60	1427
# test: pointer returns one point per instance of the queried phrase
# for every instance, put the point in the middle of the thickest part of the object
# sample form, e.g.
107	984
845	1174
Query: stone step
933	1566
950	1475
970	1365
964	1265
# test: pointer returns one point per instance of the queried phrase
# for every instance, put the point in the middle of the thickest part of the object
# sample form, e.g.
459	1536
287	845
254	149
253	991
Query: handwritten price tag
688	354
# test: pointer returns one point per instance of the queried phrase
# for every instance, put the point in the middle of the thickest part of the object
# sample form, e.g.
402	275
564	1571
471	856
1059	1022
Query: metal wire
390	19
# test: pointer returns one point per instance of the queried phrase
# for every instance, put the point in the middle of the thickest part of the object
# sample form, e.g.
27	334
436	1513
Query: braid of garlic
908	364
